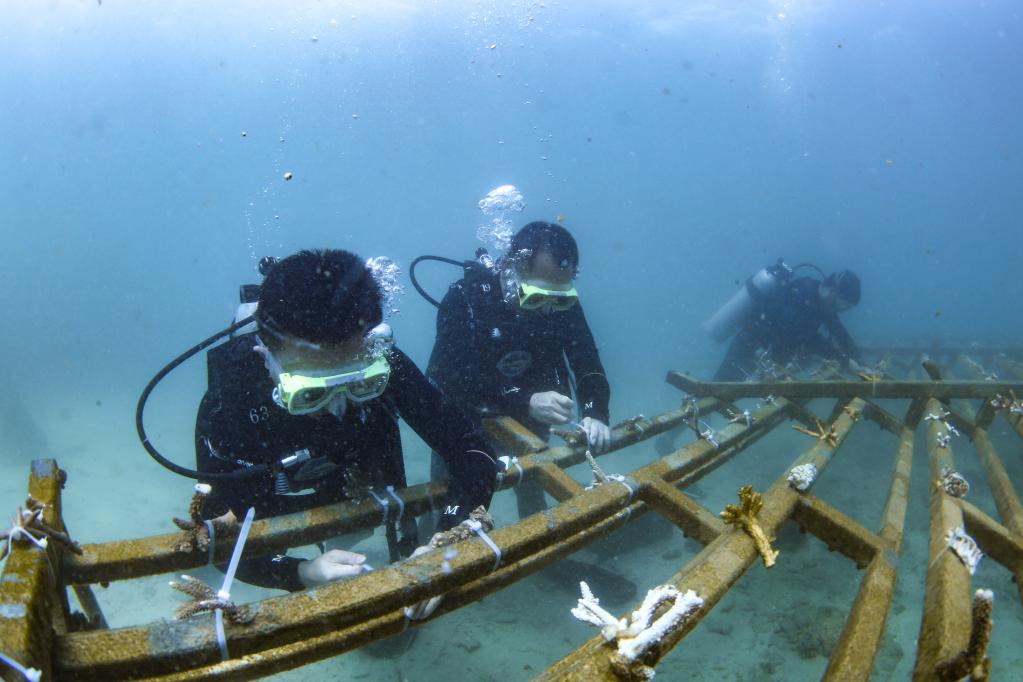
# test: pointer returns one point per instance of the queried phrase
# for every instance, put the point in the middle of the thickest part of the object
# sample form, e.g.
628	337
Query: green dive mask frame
532	297
304	393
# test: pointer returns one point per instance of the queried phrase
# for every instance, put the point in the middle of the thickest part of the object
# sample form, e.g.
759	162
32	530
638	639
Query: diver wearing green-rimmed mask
308	401
313	378
512	340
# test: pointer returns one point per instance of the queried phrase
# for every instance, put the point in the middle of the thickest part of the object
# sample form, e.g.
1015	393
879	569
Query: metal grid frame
38	628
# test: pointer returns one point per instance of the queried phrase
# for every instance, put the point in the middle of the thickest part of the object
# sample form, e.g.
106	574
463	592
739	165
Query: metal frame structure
39	628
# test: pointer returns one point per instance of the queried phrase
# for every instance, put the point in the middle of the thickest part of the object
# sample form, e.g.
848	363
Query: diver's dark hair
324	296
846	285
540	236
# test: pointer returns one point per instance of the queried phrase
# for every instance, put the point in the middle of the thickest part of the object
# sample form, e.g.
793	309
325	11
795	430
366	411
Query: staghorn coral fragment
196	534
29	526
573	438
205	598
750	504
462	531
829	436
972	661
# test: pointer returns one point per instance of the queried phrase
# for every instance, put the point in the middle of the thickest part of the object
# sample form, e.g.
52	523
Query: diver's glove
551	407
597	433
330	566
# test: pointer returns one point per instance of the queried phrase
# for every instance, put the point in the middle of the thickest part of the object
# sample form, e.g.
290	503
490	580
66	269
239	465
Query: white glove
329	566
424	608
597	433
550	407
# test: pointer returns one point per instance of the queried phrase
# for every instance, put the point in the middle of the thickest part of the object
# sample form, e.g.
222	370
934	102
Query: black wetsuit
490	356
238	424
791	323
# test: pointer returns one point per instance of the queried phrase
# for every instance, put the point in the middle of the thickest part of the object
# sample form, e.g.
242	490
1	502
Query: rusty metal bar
731	390
28	586
854	654
992	537
945	624
695	521
836	530
711	573
1006	500
557	483
893	518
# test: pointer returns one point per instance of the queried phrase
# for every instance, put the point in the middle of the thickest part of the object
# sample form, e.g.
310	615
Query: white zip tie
213	540
225	588
382	501
401	502
624	481
30	674
508	462
476	527
218	622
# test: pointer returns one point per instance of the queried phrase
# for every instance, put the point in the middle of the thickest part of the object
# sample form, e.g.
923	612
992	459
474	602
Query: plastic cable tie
30	674
401	502
624	481
382	501
218	620
477	528
213	540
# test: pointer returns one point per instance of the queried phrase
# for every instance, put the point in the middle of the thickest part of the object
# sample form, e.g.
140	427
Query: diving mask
533	297
304	391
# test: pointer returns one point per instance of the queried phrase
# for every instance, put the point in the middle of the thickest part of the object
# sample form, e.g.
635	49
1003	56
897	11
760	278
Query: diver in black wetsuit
796	320
513	340
316	393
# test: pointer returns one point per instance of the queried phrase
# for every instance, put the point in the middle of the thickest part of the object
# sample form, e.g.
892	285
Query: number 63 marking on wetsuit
259	414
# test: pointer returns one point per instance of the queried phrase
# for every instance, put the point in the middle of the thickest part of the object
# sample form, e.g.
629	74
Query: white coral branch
638	635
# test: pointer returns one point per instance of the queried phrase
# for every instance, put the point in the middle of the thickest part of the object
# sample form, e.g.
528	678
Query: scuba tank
728	318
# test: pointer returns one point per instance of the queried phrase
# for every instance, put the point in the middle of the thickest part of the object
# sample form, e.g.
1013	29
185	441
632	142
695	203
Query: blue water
686	145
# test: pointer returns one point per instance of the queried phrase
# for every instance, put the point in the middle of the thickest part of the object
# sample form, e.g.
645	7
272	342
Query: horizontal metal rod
731	390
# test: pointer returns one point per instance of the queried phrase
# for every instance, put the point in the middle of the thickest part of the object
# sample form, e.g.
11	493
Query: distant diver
782	319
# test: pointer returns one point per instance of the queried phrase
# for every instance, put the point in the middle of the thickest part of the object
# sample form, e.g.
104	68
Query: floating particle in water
313	39
839	46
288	176
889	162
937	314
244	134
492	46
355	116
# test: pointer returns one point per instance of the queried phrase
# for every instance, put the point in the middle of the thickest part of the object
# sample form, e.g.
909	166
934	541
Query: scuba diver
512	340
301	411
782	319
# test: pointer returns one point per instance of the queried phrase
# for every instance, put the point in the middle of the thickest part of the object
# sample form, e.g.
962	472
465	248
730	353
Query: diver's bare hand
424	608
551	407
336	564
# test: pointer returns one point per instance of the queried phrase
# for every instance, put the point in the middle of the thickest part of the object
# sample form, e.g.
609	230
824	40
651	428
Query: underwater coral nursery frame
39	629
